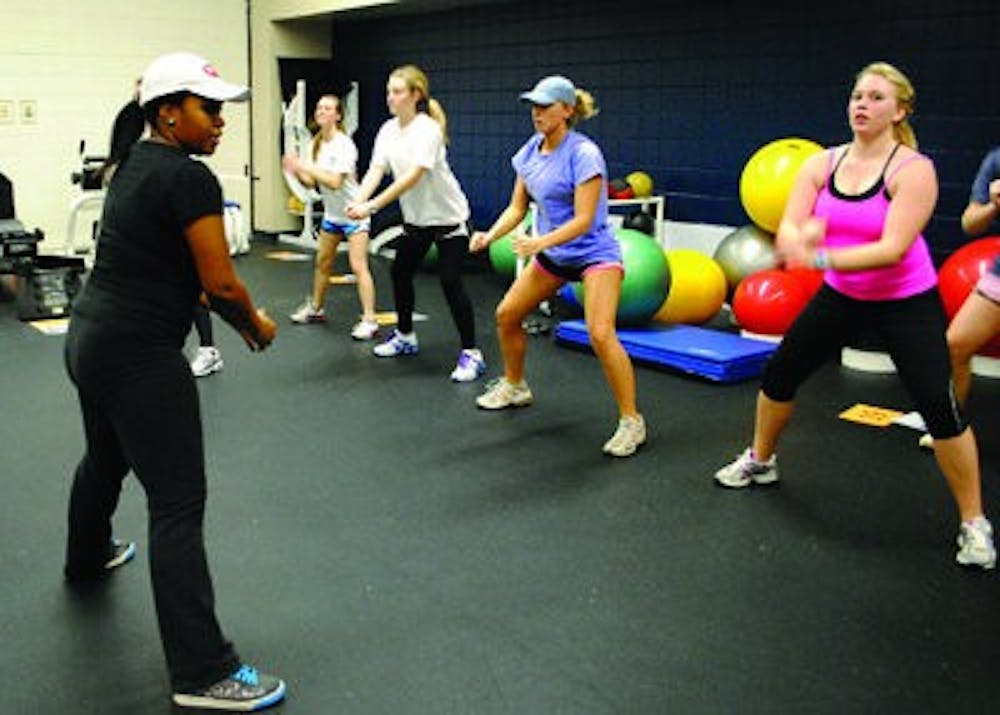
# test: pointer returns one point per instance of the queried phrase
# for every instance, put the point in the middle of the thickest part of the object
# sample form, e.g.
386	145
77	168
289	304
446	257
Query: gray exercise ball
746	250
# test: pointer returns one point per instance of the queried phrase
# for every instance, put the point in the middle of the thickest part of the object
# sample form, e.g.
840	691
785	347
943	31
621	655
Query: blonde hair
585	107
416	81
318	136
906	98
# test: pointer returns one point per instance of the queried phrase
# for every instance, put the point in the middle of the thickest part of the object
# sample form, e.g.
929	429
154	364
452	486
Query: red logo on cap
210	71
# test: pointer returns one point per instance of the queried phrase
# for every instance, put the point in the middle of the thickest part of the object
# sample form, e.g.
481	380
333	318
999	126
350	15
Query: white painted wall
77	62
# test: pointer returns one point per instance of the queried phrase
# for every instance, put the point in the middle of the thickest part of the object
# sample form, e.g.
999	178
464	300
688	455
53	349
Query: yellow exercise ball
697	288
641	183
768	176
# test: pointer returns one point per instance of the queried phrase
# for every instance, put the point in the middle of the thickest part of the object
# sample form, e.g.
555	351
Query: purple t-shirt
551	180
988	171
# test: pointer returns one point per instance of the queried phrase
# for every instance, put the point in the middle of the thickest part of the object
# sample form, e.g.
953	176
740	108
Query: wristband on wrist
821	259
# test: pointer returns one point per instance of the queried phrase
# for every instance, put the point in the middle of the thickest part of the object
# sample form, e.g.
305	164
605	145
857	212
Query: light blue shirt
551	180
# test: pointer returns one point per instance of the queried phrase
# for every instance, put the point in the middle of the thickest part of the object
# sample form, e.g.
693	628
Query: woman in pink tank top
857	212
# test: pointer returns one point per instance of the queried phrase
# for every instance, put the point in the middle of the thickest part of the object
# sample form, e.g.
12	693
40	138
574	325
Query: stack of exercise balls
637	185
765	299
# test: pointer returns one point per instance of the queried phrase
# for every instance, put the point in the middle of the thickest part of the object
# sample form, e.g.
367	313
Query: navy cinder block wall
688	91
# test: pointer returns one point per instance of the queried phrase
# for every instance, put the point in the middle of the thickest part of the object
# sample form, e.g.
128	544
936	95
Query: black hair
152	108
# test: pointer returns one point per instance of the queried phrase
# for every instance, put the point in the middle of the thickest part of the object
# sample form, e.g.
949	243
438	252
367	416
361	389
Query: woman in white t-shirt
412	147
334	171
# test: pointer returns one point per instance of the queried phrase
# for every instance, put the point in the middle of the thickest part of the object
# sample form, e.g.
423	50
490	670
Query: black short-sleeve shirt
144	284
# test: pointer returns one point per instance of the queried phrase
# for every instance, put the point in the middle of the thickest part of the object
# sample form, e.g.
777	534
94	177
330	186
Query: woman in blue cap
564	172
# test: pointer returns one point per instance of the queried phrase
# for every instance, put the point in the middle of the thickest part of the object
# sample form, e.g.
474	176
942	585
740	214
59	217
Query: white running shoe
206	361
500	394
365	330
630	435
470	366
307	313
746	470
975	544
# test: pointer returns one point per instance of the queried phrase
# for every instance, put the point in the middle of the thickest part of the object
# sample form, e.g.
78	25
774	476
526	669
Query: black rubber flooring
388	548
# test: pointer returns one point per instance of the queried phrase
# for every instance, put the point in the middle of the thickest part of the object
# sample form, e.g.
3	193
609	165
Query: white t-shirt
437	199
338	155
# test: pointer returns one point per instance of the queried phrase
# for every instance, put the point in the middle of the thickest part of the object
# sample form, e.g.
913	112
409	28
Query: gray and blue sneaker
245	690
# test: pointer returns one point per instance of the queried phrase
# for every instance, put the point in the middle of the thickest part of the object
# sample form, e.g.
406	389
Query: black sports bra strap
840	161
889	160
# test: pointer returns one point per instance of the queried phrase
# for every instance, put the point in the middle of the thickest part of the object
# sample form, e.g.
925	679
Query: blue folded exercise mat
712	354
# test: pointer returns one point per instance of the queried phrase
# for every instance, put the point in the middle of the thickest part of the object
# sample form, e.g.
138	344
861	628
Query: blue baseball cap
550	90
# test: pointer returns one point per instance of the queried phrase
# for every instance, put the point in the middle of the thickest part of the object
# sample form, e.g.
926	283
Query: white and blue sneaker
398	344
470	366
245	690
121	553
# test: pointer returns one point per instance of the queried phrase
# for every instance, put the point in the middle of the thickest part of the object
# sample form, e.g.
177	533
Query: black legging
412	247
203	325
141	412
914	331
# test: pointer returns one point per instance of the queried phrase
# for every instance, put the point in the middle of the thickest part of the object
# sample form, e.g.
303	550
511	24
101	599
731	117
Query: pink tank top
854	220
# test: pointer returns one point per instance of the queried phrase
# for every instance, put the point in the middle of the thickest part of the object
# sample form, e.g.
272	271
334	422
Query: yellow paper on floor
870	415
390	317
345	279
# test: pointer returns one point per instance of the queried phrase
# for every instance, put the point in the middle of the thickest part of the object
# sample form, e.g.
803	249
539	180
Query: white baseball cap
187	72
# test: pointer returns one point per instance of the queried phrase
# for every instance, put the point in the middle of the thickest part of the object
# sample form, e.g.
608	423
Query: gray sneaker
746	471
500	394
245	690
630	435
975	544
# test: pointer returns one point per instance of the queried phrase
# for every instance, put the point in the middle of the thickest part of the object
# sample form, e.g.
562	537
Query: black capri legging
452	245
913	329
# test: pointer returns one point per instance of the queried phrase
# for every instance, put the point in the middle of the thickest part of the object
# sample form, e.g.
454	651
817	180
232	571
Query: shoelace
492	384
247	675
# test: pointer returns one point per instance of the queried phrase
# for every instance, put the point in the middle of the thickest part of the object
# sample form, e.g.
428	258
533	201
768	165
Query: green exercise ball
430	260
647	278
501	251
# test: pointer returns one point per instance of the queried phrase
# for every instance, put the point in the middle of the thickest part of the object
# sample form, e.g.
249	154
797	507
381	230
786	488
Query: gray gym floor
388	548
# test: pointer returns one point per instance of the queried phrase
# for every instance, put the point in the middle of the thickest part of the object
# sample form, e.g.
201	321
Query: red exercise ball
768	301
963	269
809	279
961	272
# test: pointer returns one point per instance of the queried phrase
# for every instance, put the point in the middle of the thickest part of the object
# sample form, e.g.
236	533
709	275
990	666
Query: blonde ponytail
436	112
584	109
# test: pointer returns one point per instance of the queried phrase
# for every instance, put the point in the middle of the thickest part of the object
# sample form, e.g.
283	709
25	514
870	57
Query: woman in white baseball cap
161	247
